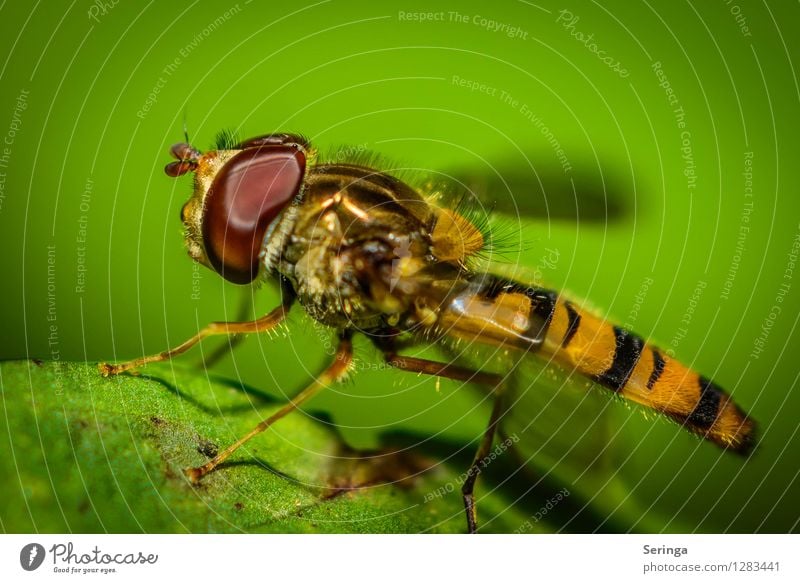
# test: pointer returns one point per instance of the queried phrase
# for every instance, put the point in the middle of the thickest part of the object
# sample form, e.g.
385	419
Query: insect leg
233	341
262	324
461	374
336	370
468	487
439	369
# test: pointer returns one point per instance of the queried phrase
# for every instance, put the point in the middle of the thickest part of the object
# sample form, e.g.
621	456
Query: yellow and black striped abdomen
504	312
623	362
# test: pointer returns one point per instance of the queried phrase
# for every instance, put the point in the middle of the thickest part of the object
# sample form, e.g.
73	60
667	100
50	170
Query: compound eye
248	194
274	140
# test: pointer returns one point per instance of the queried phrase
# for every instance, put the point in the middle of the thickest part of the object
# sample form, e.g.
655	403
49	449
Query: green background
84	158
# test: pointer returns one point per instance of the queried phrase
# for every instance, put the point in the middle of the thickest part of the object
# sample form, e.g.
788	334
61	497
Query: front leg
231	342
262	324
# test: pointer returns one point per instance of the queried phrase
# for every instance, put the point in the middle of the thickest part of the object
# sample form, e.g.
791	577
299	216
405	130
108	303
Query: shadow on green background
666	188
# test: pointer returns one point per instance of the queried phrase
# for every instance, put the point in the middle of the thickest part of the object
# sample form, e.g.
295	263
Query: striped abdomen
507	313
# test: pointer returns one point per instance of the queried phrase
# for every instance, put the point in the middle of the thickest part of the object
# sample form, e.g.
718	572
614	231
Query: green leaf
82	453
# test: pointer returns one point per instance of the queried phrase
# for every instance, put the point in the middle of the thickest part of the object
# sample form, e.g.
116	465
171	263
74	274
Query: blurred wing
588	194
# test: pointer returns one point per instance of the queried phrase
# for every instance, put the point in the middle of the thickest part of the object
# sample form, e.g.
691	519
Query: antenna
185	128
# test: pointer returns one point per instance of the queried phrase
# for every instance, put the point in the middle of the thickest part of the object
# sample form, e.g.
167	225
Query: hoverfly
364	252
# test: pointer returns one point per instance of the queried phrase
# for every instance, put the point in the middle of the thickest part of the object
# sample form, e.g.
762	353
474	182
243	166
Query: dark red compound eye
273	140
247	194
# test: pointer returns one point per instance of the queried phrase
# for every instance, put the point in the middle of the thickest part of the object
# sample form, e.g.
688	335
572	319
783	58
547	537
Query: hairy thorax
353	272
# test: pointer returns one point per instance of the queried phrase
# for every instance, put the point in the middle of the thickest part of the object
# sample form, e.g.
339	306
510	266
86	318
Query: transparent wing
521	187
587	194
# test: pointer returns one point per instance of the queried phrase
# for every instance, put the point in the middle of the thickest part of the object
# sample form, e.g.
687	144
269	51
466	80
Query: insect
364	252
